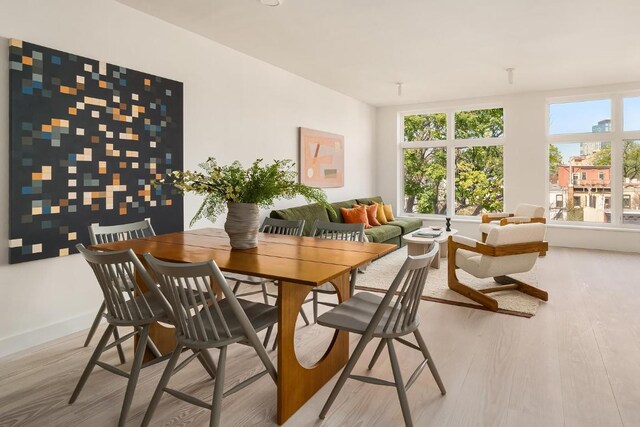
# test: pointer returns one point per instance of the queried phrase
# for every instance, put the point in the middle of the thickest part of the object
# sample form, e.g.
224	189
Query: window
559	200
589	156
631	182
467	143
580	117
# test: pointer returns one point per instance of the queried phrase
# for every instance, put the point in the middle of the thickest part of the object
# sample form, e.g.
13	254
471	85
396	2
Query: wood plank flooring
576	363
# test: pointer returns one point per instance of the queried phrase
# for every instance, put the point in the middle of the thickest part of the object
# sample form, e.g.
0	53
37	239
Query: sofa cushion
382	233
307	212
348	204
368	200
407	224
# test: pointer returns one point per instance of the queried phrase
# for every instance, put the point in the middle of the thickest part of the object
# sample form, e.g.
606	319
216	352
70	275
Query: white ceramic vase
242	225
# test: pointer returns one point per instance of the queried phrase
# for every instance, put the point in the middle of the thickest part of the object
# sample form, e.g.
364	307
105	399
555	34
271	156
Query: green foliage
555	159
479	170
630	158
425	127
479	180
479	124
425	180
259	184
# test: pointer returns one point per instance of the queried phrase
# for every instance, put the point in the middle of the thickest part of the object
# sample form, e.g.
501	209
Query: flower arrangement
260	184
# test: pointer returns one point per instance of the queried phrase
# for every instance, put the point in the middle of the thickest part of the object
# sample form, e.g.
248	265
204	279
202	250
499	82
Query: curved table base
296	383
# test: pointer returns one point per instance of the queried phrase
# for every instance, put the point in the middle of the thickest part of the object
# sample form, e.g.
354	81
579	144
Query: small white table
421	245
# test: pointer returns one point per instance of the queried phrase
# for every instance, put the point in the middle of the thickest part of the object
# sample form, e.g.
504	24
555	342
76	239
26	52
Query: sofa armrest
488	217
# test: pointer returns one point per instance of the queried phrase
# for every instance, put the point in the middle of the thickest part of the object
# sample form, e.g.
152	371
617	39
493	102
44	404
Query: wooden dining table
298	264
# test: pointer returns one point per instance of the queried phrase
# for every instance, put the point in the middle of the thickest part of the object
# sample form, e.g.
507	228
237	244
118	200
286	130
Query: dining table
298	264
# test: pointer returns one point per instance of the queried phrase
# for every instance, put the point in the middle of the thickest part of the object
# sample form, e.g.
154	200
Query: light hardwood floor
576	363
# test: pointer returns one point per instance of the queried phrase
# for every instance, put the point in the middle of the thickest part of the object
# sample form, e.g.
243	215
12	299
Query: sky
578	117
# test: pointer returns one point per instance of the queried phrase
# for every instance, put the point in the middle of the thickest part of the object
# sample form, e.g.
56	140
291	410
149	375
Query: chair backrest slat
116	274
282	226
115	233
408	285
338	231
198	316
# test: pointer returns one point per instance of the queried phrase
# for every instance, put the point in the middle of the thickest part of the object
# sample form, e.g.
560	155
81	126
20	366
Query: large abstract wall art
87	140
321	158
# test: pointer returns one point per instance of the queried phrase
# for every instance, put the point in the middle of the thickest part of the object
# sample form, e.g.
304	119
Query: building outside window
453	162
594	162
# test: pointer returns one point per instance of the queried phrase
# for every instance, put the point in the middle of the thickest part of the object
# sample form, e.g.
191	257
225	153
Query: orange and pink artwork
321	158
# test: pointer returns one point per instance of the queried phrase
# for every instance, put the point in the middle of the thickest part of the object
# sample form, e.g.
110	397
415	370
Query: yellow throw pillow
382	218
388	212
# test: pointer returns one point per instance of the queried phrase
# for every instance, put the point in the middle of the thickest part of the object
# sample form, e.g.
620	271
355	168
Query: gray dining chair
375	316
272	226
225	322
126	305
336	231
113	233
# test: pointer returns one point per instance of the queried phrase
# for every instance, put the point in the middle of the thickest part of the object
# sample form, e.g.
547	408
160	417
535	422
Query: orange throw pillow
388	212
380	216
357	215
372	211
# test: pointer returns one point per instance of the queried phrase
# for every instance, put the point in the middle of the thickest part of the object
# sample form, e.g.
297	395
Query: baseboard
34	337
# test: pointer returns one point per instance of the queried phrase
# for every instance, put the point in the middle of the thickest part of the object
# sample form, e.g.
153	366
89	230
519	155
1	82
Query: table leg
296	383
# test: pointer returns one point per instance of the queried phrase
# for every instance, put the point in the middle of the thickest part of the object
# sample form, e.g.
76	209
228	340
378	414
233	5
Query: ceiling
438	49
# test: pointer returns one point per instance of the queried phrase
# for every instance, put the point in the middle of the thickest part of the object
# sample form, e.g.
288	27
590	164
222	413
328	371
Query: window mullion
451	189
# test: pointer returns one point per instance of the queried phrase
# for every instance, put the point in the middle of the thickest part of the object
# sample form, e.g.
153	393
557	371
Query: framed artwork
87	140
321	158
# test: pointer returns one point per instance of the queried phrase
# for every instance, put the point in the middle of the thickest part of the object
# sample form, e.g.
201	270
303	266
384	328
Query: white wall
525	154
235	107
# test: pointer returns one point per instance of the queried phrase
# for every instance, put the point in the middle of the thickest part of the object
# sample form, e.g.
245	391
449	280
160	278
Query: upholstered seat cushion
483	266
407	225
382	233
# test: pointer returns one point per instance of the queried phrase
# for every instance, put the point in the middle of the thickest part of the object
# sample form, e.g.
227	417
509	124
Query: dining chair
336	231
112	233
375	316
228	321
126	305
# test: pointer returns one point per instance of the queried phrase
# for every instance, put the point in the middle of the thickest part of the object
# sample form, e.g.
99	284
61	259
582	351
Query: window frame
450	144
615	136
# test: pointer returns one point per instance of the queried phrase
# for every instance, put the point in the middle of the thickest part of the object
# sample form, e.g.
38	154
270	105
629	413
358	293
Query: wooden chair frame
506	282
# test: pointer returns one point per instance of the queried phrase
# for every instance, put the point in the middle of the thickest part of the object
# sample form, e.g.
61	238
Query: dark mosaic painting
87	139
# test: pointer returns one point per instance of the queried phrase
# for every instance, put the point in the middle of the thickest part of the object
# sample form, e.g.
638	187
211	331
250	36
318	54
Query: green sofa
389	233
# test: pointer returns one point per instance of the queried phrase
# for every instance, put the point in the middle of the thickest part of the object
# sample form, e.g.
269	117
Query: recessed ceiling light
270	2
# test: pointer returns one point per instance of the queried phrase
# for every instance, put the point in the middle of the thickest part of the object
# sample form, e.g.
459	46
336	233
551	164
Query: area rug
380	273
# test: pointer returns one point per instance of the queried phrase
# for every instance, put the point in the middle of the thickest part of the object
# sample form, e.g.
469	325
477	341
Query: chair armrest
495	216
521	220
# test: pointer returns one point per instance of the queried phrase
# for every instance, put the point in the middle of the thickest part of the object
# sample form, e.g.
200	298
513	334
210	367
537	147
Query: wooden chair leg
267	336
430	362
96	322
116	337
523	287
218	389
315	307
133	375
207	362
376	355
397	377
92	362
357	352
164	380
469	292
